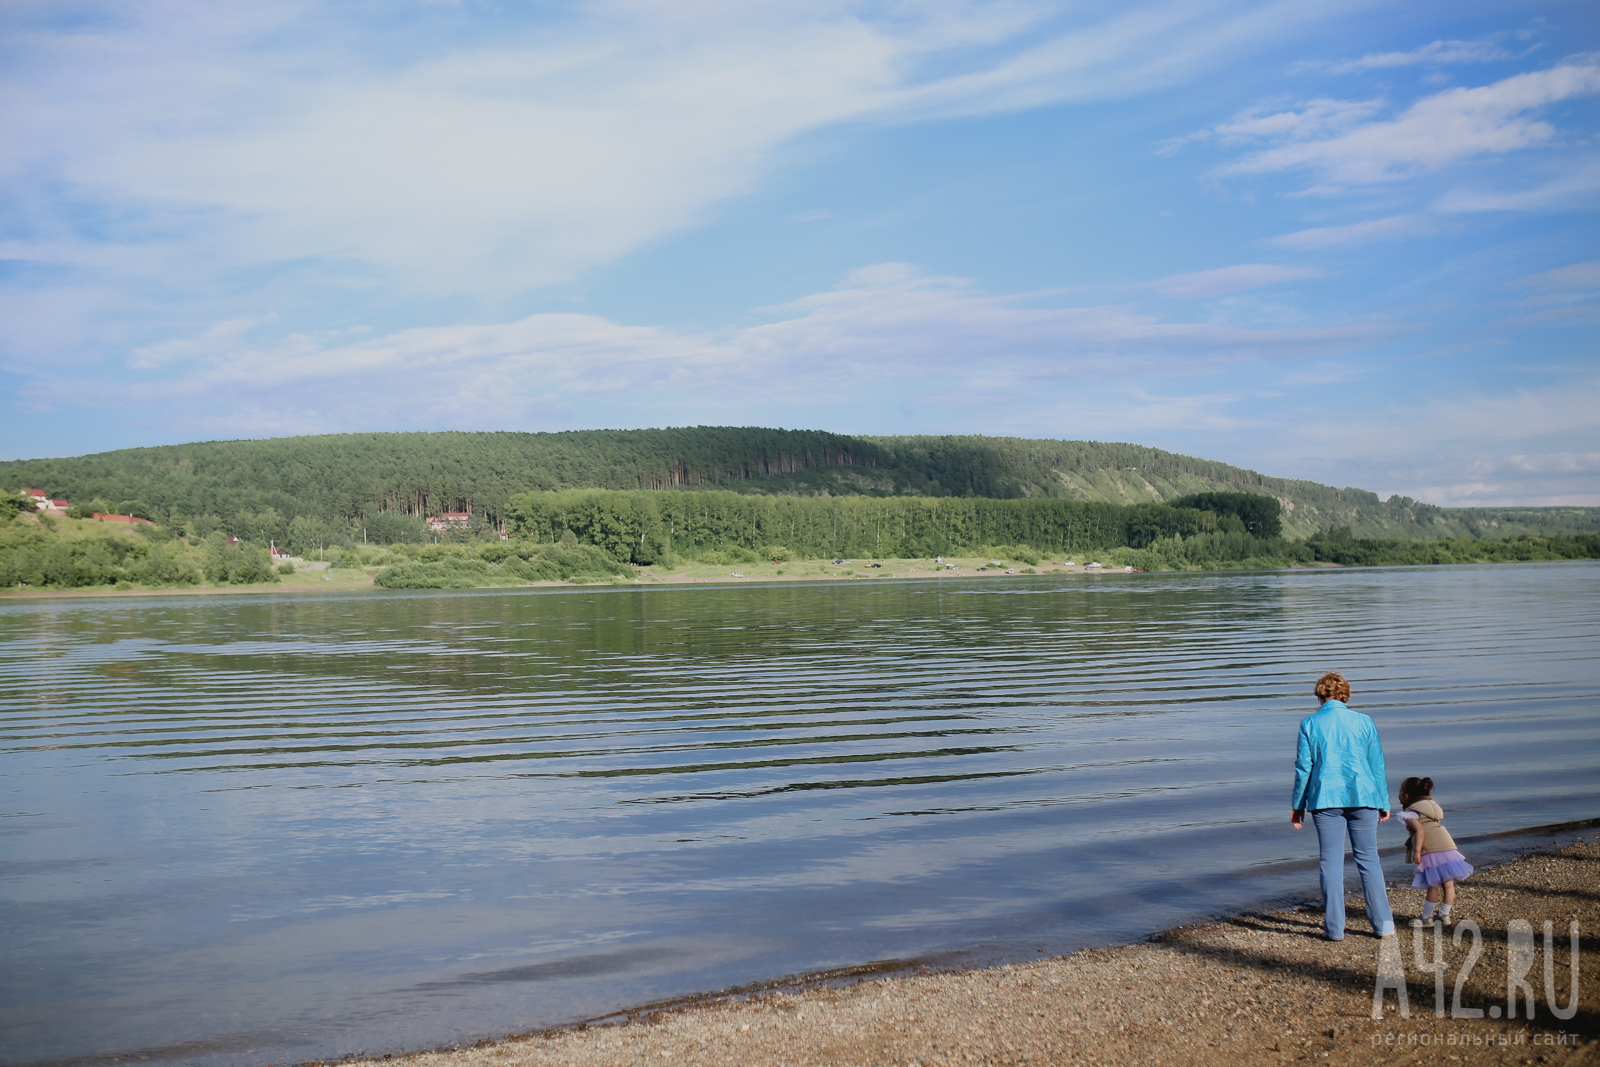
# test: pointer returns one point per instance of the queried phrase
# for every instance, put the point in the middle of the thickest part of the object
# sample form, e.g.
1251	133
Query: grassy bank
40	554
513	563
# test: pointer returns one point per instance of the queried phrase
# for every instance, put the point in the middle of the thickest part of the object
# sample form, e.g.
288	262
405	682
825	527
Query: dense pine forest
380	487
646	526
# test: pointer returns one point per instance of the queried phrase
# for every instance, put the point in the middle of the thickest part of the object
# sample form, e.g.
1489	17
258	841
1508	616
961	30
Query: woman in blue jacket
1339	778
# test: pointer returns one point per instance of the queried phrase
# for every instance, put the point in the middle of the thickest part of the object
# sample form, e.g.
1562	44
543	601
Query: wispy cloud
1483	50
1433	133
884	324
1315	118
1577	190
1564	296
1224	280
1575	277
1525	445
1354	233
503	164
1556	462
222	337
1135	49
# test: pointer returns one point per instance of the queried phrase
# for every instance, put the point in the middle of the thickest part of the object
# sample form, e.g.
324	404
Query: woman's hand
1383	816
1297	819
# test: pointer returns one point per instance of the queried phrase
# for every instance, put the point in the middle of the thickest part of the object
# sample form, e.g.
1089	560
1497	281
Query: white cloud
1223	280
884	324
240	139
1574	191
1136	50
1355	233
222	336
1483	50
1525	445
1565	296
1314	118
1558	462
893	317
1573	277
1517	414
1433	133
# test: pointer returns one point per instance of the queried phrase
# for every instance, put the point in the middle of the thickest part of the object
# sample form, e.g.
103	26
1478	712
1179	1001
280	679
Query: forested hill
367	477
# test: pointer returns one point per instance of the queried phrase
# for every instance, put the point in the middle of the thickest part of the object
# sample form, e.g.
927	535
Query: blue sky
1349	242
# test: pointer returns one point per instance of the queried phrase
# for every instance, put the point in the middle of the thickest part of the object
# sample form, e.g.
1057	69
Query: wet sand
1257	989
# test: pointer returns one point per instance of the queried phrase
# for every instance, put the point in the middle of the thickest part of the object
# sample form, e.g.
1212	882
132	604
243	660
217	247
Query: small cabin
447	520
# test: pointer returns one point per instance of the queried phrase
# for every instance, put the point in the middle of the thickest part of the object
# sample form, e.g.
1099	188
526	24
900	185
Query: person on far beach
1430	846
1339	778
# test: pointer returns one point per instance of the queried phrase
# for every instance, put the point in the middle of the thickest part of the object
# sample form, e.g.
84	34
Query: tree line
647	527
599	535
380	487
1236	549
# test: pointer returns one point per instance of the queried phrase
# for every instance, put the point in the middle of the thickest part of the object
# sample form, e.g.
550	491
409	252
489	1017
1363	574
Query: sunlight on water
263	828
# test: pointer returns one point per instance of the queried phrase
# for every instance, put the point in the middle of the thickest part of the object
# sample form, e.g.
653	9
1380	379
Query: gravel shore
1257	989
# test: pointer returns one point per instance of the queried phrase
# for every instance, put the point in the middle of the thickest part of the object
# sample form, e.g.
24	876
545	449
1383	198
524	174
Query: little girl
1430	847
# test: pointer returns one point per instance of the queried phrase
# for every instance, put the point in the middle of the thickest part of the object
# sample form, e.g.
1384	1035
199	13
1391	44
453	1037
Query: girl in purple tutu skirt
1430	847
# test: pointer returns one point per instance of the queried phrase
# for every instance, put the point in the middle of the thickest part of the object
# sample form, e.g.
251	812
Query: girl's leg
1330	824
1364	840
1430	902
1449	899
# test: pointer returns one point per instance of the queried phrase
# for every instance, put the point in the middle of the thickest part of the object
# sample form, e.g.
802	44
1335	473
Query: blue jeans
1362	825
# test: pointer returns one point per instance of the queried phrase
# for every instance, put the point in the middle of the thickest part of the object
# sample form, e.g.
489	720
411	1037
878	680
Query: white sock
1427	910
1444	909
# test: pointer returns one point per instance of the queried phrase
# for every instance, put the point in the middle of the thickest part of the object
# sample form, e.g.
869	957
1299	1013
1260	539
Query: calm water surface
266	829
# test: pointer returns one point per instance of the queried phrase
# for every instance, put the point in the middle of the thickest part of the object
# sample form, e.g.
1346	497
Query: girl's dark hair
1417	788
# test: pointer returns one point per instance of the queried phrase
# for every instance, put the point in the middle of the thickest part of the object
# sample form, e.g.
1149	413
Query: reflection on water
257	828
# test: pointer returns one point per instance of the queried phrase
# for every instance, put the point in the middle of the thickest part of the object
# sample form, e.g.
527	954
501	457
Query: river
273	828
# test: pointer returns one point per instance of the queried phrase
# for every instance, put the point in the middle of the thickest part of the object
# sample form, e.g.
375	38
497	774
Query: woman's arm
1302	771
1376	768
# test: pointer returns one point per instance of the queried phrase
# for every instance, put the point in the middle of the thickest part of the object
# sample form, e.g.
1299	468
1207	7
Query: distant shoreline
754	573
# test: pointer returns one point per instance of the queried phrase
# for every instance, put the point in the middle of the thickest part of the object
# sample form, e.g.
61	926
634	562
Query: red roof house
445	520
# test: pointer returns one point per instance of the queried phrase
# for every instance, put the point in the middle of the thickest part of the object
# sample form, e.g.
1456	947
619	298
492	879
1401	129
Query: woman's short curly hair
1332	686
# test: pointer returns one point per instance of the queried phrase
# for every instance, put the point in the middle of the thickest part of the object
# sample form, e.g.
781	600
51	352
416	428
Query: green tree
237	564
1262	516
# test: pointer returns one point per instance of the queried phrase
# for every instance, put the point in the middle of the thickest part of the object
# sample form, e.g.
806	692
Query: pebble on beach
1256	989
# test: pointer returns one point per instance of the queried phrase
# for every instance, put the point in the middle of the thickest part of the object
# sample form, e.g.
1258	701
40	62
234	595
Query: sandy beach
335	581
1256	989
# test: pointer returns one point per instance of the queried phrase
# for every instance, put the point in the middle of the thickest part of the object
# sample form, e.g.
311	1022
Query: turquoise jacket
1340	762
